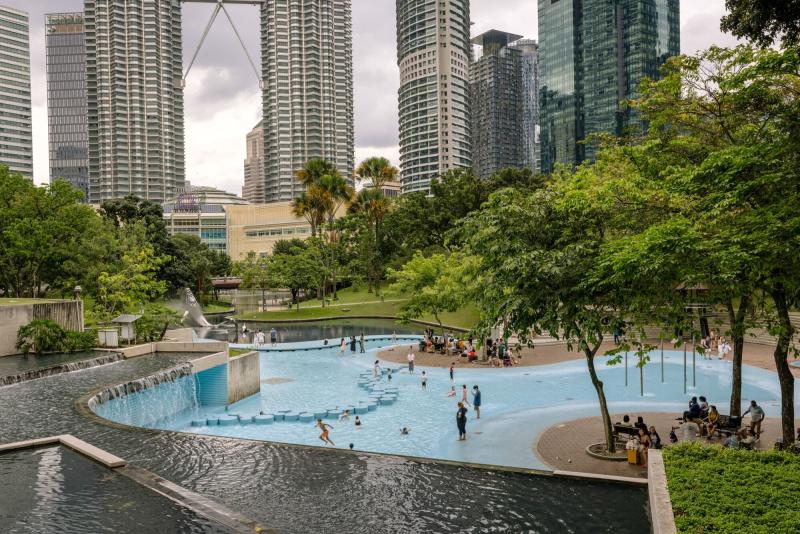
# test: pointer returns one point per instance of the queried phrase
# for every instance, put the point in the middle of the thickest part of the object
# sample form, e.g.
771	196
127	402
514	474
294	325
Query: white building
434	55
201	211
16	137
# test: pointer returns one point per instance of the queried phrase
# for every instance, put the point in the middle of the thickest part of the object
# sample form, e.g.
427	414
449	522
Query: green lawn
728	491
217	307
14	302
238	352
372	308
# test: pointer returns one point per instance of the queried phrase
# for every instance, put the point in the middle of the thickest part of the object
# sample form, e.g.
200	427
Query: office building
434	55
16	137
256	228
593	55
498	105
254	183
67	125
135	99
529	63
307	69
200	211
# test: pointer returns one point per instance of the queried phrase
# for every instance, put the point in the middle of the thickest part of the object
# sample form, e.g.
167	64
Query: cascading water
141	403
35	374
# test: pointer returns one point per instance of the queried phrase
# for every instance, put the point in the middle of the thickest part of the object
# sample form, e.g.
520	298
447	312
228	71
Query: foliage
257	272
155	320
377	170
731	491
299	269
430	285
764	22
198	263
43	336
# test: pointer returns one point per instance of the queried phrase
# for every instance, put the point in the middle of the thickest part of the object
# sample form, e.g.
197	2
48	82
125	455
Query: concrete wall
212	386
67	313
244	376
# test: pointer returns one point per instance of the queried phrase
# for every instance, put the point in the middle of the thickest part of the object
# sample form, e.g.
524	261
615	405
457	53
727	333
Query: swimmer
358	421
345	415
452	392
424	380
389	375
404	431
325	429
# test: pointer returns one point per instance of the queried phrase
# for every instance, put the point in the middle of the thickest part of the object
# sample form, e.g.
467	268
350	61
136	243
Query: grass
215	306
15	302
238	352
732	491
370	306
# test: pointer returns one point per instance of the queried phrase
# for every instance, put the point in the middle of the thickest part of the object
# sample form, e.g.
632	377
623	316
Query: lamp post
76	292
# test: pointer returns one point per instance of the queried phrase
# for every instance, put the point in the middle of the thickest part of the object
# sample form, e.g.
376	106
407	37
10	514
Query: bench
727	425
620	429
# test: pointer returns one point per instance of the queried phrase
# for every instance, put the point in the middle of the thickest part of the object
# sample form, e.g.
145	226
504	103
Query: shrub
42	336
154	323
733	491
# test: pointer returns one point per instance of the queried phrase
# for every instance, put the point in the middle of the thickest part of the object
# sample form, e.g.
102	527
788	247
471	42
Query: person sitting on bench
693	413
711	420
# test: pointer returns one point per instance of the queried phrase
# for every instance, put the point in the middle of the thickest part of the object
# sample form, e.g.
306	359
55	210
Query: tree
301	269
313	204
199	262
377	170
375	206
430	286
258	272
314	169
764	22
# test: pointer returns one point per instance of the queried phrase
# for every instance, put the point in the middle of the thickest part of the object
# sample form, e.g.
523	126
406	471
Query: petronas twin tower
135	93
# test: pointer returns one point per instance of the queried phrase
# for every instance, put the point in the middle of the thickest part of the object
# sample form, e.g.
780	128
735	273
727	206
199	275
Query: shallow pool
518	403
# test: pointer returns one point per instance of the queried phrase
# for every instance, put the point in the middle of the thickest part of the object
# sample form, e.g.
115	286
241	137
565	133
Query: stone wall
67	313
244	376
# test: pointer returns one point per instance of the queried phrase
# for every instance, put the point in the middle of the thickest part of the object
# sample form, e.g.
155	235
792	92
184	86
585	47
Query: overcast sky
222	99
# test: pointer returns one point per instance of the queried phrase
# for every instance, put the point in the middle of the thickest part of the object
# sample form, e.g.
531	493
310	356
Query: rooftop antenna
220	6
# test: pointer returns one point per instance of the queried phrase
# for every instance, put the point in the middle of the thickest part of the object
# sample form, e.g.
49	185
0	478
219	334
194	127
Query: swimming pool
518	403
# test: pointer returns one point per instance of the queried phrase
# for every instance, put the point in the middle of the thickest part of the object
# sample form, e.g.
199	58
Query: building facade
67	124
16	132
434	55
497	105
253	189
593	55
529	63
256	228
201	211
135	99
307	69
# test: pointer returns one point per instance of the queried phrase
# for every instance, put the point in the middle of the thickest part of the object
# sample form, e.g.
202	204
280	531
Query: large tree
764	22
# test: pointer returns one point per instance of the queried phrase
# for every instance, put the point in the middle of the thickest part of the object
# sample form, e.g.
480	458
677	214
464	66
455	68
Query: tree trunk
781	354
736	319
601	396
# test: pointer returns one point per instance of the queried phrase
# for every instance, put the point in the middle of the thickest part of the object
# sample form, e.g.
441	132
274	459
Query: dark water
53	489
11	365
334	330
315	490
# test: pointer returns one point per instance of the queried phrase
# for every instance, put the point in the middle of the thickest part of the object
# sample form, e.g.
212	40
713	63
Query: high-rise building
497	105
135	98
67	124
593	55
254	183
434	55
307	69
529	50
16	137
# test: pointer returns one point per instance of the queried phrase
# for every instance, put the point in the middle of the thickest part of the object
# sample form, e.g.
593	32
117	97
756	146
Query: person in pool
452	392
476	401
358	421
461	422
344	415
424	380
389	374
405	431
325	436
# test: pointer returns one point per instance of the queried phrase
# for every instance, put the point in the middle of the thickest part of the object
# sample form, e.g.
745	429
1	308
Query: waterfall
149	400
34	374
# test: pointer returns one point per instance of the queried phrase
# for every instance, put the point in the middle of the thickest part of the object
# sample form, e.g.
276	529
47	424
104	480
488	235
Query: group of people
714	344
353	342
646	439
448	345
258	337
702	419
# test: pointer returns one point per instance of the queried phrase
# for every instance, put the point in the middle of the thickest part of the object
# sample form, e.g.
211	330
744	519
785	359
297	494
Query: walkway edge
661	516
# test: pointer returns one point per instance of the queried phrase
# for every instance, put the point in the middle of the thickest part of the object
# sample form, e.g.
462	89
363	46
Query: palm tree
374	204
313	204
314	169
377	170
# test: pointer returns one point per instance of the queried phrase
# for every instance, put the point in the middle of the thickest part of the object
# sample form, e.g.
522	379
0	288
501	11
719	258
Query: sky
223	101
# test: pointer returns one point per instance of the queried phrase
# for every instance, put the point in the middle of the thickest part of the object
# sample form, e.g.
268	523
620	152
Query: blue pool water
518	403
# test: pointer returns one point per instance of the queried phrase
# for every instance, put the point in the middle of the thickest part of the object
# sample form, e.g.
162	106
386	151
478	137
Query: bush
154	323
47	336
733	491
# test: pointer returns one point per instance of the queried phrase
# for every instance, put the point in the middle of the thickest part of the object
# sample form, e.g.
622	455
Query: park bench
727	425
622	433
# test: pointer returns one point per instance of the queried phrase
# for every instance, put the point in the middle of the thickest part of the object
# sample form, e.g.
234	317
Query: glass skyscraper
593	54
16	137
67	122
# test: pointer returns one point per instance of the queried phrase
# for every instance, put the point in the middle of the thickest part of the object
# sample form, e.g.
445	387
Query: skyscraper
66	99
135	98
502	104
307	69
529	51
253	189
594	54
16	137
433	53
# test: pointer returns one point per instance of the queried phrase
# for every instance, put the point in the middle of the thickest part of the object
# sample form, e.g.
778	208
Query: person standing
394	338
424	381
376	370
361	342
464	394
342	345
273	337
476	401
244	333
352	343
410	358
461	421
389	374
452	370
756	418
